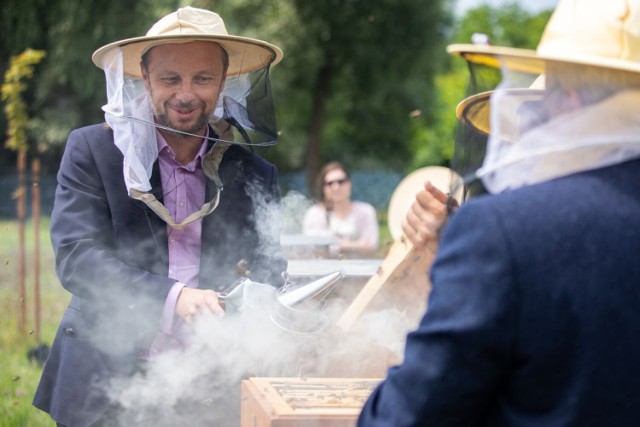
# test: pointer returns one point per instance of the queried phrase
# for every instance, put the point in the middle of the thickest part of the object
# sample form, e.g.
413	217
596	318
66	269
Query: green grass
19	376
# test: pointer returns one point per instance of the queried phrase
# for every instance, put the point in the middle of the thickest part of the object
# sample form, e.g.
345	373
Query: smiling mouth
185	114
183	109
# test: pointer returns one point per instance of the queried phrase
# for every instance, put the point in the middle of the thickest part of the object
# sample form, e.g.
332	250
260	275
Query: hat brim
531	61
245	54
405	193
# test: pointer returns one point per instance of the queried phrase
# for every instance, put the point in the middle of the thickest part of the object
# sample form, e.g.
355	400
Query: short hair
225	58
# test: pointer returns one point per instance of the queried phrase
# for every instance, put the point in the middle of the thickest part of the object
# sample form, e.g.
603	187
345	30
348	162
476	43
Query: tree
68	89
367	65
352	73
504	25
13	87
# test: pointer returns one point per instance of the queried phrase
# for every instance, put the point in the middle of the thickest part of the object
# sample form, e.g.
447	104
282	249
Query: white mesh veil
244	115
538	140
128	112
583	117
533	134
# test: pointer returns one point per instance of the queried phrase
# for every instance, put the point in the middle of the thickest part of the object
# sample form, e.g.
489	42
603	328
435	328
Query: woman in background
353	222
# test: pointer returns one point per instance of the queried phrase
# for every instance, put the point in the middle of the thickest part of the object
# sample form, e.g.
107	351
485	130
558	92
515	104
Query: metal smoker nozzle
310	295
299	308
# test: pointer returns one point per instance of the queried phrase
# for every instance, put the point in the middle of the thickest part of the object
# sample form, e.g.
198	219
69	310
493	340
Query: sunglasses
336	181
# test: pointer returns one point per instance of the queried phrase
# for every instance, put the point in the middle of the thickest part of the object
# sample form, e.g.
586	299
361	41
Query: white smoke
293	207
205	375
200	383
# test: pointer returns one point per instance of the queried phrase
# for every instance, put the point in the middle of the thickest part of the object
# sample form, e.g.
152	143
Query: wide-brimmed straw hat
580	32
192	24
405	192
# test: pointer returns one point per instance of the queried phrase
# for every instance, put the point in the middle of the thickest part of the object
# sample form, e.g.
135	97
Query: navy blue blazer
112	256
534	315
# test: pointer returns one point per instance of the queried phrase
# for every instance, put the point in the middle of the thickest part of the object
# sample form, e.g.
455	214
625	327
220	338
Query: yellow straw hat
192	24
583	32
586	32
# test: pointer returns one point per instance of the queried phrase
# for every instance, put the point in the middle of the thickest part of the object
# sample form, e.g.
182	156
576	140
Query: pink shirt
183	193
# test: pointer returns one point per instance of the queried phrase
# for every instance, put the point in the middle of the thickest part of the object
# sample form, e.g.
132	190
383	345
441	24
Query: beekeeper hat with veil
567	107
244	113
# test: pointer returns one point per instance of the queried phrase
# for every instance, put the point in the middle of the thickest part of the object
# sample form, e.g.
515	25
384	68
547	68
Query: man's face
184	81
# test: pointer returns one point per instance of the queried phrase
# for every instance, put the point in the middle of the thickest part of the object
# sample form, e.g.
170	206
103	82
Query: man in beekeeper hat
160	209
533	314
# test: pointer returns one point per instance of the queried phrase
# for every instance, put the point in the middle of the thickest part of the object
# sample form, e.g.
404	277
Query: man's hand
427	215
195	302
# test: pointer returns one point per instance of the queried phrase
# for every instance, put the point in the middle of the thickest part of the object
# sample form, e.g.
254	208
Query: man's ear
224	79
564	101
569	101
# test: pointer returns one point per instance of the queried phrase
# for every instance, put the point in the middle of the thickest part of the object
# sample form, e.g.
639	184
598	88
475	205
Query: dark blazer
534	316
112	256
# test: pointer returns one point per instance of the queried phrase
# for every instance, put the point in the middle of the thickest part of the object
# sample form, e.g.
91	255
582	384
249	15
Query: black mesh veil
247	105
470	141
473	129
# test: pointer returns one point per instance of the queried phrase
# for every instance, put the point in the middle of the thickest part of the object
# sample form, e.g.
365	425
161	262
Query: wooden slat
401	281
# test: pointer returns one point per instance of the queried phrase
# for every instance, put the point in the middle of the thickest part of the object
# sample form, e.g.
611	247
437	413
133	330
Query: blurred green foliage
364	81
15	108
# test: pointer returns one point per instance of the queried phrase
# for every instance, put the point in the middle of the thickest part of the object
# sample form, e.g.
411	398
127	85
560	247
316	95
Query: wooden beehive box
300	402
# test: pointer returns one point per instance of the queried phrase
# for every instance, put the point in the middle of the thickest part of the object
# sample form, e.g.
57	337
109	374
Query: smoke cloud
198	383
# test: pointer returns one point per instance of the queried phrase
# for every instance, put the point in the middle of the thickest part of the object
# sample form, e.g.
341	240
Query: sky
533	6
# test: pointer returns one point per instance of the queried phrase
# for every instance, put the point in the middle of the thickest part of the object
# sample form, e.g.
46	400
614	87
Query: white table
304	240
301	246
318	267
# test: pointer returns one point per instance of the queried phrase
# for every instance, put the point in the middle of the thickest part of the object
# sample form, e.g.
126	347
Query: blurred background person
354	223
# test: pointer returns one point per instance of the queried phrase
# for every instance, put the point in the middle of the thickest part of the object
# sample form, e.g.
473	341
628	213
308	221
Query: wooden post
20	195
35	210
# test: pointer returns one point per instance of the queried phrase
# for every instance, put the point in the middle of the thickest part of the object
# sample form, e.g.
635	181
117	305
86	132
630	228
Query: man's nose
185	93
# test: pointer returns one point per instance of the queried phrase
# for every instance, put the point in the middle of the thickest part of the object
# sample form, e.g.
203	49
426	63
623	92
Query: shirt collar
163	147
